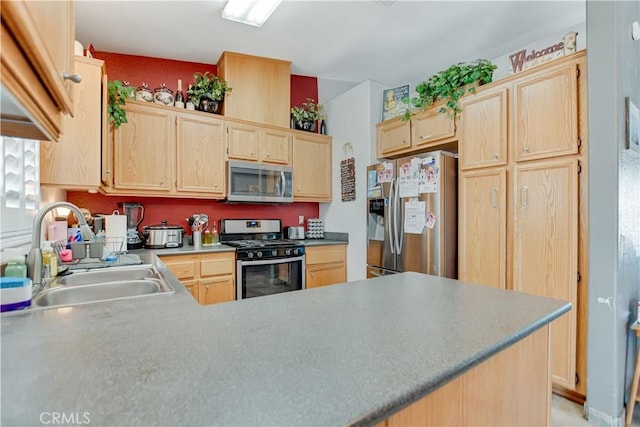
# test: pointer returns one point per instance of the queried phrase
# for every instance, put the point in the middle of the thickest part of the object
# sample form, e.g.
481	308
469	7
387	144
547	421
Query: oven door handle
272	261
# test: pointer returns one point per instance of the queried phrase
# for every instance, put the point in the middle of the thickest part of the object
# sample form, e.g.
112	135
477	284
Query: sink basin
93	277
102	285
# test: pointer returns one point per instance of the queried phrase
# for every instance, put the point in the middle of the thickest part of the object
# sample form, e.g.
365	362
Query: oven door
270	276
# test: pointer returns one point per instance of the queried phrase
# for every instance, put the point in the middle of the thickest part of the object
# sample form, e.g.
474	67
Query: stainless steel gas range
266	264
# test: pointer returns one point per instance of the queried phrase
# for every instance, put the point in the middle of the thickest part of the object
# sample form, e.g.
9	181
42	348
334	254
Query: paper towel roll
116	232
78	49
57	230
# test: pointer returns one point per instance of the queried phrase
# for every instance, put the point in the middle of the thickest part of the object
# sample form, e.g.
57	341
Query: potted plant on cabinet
304	117
207	91
118	93
451	84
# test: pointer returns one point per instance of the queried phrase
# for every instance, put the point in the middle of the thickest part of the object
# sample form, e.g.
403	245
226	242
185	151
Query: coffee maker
135	214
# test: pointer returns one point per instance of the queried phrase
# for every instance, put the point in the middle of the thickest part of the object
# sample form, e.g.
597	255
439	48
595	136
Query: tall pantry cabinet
522	206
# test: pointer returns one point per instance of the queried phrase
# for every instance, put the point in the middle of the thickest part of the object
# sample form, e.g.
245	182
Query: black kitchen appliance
266	263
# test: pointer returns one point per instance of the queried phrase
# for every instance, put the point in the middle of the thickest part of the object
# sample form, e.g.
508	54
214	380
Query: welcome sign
522	59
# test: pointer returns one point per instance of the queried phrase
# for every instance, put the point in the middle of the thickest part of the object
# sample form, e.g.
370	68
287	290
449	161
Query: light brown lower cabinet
325	265
511	388
209	277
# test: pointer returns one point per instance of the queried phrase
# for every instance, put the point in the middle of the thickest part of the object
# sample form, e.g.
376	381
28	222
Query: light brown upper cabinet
428	129
74	161
311	167
199	148
143	149
483	127
37	62
546	113
394	137
431	126
164	151
261	88
258	143
482	215
545	249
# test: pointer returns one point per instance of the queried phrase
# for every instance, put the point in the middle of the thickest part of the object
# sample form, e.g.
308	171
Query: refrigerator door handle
399	231
391	219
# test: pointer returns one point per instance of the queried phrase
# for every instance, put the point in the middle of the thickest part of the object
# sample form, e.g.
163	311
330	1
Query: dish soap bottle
214	234
49	259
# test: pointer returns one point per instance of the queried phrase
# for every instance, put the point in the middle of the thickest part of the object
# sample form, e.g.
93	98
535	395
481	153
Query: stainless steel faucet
34	259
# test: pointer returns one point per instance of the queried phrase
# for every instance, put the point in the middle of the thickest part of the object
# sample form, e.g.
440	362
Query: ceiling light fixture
250	12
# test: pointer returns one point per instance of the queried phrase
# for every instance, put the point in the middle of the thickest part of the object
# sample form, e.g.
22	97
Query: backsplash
175	210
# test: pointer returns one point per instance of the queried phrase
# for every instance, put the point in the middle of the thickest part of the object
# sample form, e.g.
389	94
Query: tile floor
565	413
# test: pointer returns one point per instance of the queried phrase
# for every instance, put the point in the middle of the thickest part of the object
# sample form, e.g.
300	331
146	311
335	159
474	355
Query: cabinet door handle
494	197
525	196
206	286
424	136
76	78
162	182
495	156
526	150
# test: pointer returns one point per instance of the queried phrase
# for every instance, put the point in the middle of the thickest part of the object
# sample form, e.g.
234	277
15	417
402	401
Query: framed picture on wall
632	115
395	102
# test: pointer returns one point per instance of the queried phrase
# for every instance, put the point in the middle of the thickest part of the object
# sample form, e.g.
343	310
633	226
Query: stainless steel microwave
259	182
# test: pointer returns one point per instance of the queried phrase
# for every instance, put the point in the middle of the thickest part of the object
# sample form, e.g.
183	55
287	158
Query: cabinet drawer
216	267
182	269
325	254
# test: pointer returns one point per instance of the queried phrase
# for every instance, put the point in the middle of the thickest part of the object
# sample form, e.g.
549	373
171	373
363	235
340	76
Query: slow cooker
163	235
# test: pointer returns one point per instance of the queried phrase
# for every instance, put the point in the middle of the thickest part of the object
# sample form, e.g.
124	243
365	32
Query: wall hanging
348	174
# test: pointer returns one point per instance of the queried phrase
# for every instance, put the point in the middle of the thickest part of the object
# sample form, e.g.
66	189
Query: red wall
303	87
176	210
153	71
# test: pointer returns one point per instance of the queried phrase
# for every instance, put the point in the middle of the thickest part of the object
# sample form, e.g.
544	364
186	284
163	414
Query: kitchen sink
93	277
101	285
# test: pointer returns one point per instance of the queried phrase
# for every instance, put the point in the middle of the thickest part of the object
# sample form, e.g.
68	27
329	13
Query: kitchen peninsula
359	353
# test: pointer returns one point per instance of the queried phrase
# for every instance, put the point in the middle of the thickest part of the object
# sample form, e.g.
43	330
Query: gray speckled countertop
345	354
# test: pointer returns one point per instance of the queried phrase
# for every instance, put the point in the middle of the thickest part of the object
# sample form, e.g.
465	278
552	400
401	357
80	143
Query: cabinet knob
206	286
161	181
526	149
76	78
108	172
268	156
495	156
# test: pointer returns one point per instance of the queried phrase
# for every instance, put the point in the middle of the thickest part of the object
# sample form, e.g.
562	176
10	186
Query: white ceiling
392	42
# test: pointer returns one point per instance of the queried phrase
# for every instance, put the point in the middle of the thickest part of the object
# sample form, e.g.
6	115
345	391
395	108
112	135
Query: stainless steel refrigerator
412	215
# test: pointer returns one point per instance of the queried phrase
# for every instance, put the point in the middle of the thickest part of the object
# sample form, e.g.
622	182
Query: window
20	185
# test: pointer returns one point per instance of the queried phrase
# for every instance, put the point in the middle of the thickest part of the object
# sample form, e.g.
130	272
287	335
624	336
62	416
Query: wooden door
276	146
46	31
200	153
244	142
394	137
482	221
311	167
74	161
192	287
325	274
546	113
545	244
482	133
217	289
431	126
144	149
